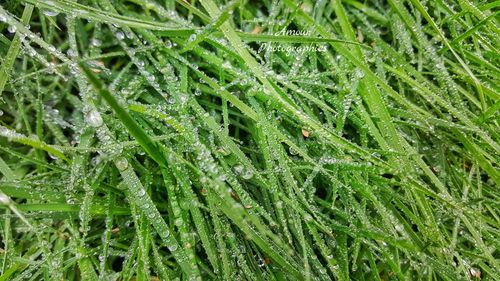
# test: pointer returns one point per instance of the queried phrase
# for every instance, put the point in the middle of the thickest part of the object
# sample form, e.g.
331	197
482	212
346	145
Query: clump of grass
185	140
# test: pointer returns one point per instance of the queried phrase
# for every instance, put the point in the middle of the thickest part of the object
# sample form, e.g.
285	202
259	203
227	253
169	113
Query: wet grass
249	140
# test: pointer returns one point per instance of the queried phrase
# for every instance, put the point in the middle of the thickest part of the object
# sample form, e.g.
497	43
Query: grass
185	140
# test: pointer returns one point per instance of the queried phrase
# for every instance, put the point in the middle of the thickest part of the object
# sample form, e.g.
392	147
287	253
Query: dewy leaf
16	137
12	53
91	13
259	140
142	138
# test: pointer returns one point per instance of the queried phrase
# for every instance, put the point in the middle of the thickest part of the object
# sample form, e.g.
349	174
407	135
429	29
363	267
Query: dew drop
96	42
94	118
120	35
11	28
122	164
50	13
53	157
475	272
142	192
238	169
247	174
71	53
172	248
4	199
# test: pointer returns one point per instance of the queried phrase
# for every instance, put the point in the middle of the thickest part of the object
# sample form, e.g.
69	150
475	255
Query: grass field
249	140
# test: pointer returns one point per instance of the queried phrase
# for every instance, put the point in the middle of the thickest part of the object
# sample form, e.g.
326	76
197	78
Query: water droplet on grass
52	157
120	35
94	118
122	164
71	53
238	169
475	272
50	13
4	199
96	42
142	192
247	174
172	248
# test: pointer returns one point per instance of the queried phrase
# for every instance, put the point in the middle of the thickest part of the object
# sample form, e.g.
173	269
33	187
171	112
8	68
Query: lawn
249	140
